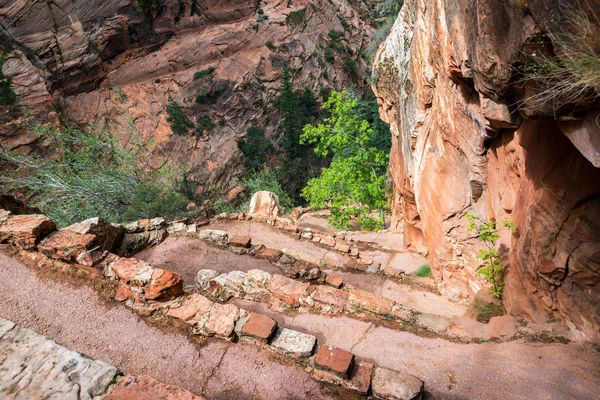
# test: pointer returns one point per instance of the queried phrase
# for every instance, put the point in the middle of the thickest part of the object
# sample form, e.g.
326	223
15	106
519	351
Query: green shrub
271	46
205	123
329	57
493	269
203	73
256	149
7	96
572	75
92	175
268	179
335	35
296	18
424	271
180	124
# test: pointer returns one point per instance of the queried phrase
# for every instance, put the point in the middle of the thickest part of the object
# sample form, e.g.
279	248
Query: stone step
34	367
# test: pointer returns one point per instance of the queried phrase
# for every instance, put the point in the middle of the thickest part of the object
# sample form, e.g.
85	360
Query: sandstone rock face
264	204
444	80
117	62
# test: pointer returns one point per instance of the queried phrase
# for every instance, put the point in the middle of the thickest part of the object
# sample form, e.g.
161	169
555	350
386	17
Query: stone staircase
158	293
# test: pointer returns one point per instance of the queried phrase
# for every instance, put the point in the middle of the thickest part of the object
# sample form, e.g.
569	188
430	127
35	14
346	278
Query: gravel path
79	320
510	370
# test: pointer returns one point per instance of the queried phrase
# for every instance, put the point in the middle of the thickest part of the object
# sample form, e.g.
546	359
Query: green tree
180	124
256	149
298	162
354	184
7	96
487	233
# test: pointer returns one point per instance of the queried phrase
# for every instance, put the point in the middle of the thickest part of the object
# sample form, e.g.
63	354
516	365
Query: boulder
370	302
107	234
71	247
220	238
26	231
163	285
193	307
287	290
393	385
264	204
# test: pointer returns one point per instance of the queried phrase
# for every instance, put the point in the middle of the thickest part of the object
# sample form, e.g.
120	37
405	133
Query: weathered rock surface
445	82
264	204
34	367
393	385
118	62
146	387
294	343
107	235
25	231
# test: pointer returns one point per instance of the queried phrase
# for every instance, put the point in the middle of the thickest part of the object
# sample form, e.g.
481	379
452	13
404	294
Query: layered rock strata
465	141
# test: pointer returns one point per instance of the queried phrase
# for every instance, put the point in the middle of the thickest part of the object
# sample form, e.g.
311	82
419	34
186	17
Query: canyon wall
117	63
464	141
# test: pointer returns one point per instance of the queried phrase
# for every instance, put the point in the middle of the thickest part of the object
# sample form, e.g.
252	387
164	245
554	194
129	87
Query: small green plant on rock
487	233
424	271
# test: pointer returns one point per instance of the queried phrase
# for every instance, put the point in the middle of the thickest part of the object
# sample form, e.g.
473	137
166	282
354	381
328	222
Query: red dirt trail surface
78	319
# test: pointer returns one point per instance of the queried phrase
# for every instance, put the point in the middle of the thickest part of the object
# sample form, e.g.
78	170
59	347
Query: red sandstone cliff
117	62
446	84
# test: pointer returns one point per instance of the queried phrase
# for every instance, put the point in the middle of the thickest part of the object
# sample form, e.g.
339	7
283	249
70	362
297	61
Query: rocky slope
117	63
447	84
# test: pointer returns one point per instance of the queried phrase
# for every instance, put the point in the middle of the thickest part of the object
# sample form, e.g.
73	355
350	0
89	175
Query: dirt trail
509	370
79	320
187	256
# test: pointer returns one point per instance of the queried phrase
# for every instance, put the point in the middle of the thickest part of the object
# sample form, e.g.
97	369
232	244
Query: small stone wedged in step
220	238
393	385
293	343
334	359
258	326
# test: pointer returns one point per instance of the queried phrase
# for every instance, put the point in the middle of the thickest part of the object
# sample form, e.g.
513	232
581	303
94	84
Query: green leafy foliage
493	269
180	124
268	179
296	18
256	149
203	73
298	162
205	123
7	96
354	184
92	175
424	271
